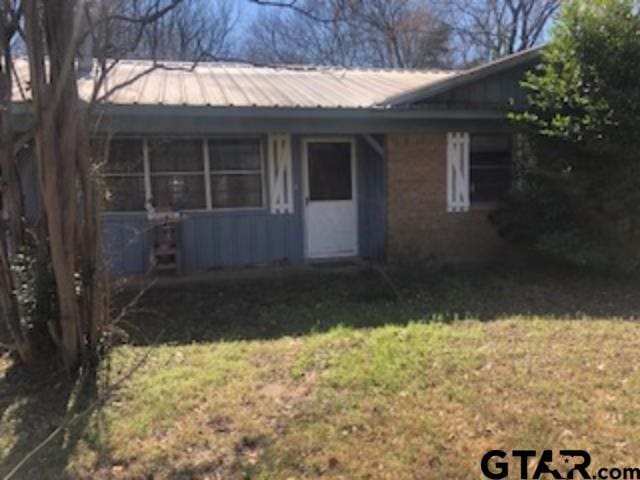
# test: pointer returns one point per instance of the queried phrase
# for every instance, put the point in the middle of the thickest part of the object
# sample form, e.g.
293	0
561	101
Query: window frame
142	174
263	193
352	154
488	203
173	173
207	172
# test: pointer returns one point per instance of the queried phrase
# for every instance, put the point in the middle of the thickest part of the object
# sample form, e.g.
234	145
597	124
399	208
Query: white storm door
331	214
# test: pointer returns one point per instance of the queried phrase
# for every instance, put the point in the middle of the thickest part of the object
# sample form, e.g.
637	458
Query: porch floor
222	275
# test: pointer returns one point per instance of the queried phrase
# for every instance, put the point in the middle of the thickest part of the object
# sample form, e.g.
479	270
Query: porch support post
21	142
375	145
378	145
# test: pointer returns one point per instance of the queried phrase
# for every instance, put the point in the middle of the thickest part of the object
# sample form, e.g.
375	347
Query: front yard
333	376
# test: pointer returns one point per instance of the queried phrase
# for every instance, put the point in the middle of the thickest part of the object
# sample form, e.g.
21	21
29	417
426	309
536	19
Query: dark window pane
329	171
488	192
124	194
176	156
490	185
234	191
491	159
178	192
490	142
125	155
234	154
486	176
491	167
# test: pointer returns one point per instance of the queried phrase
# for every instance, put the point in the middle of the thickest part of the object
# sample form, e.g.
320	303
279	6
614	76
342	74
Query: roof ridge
283	66
241	63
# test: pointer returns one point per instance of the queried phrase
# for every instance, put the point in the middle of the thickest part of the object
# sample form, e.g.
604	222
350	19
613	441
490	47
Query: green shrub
578	194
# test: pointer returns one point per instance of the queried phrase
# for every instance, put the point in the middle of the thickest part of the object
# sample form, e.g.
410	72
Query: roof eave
298	112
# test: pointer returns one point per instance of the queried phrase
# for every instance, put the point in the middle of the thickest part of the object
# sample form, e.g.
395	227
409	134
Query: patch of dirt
274	391
288	394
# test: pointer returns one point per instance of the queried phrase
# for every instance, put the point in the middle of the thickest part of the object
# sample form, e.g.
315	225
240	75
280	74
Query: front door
331	213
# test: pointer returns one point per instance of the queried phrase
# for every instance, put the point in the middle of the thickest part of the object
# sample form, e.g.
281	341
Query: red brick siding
419	225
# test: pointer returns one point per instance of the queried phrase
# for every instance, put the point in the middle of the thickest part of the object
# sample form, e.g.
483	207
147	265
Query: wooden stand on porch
166	252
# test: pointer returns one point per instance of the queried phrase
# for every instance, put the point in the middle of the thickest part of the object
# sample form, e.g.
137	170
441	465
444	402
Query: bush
578	192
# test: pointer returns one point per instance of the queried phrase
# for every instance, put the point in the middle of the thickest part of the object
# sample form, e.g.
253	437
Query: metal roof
241	85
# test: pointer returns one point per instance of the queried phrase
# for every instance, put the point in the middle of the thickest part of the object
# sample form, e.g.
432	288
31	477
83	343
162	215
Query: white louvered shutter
280	174
458	181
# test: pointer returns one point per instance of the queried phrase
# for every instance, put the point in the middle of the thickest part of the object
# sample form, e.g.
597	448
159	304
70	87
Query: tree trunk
66	180
12	223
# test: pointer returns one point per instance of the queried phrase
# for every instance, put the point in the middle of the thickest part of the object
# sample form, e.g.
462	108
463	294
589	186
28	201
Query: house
272	165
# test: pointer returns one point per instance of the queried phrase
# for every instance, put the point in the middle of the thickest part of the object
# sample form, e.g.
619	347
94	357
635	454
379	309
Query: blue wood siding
28	179
240	239
496	91
127	242
209	240
371	200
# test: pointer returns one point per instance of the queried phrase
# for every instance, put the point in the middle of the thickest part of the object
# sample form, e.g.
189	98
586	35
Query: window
124	175
172	174
491	166
236	173
177	174
329	171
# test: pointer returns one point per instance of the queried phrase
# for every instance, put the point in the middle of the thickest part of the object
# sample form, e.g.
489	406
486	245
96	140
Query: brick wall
419	226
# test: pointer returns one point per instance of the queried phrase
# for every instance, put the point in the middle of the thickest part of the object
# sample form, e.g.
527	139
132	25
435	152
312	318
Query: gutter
377	113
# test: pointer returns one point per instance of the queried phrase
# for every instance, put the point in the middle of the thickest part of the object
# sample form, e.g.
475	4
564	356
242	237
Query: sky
247	12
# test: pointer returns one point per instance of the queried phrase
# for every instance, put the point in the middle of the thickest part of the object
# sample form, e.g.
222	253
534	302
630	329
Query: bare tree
291	37
12	198
368	33
194	30
489	29
67	241
403	33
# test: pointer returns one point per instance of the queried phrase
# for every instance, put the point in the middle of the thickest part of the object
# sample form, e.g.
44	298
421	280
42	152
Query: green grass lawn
331	376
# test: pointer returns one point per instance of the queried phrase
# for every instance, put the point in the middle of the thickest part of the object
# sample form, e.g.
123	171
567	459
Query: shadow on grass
33	404
304	304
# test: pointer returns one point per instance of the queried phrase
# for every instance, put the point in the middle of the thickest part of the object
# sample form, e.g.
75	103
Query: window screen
176	171
124	175
177	174
491	166
329	173
236	173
